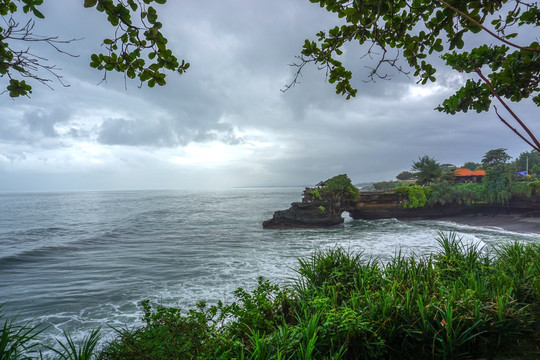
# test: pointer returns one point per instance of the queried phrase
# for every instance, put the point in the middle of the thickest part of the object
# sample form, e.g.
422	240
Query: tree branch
521	123
516	131
486	29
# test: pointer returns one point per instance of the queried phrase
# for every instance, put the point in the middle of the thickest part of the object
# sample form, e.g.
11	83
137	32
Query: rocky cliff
311	212
383	205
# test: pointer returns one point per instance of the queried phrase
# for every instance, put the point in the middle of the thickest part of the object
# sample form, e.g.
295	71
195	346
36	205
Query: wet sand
510	222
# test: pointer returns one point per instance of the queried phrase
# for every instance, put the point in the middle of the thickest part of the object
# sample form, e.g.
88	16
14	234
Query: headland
320	207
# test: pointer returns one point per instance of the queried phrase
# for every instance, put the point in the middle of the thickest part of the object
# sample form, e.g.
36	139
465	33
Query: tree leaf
90	3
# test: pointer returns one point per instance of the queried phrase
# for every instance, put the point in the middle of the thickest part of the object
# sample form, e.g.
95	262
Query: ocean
74	261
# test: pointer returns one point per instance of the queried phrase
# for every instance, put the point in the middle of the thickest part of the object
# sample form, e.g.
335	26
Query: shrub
414	196
17	341
315	194
388	185
525	188
498	181
444	193
341	185
167	334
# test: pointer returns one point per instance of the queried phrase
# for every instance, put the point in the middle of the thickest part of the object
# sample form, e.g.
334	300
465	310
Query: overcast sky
225	123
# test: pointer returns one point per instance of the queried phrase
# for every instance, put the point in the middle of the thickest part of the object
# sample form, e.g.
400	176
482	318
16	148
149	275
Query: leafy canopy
528	160
498	181
405	175
495	157
341	185
416	31
137	47
471	165
427	169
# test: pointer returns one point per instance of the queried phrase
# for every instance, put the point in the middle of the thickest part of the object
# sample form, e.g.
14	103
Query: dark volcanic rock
385	205
303	214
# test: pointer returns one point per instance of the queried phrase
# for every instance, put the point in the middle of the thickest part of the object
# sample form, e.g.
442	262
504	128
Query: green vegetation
388	185
495	157
472	165
340	186
421	32
498	185
528	160
72	351
498	182
16	340
322	208
460	302
405	175
427	170
497	188
526	188
444	193
137	47
413	196
315	194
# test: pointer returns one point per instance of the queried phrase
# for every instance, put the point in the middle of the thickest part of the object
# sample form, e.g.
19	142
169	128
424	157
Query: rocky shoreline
521	213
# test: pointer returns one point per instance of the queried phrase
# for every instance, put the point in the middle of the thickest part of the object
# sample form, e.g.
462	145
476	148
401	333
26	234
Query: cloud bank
226	122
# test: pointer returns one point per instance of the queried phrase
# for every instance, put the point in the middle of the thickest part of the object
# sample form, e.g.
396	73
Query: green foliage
315	194
427	170
509	73
167	334
456	303
322	208
138	48
497	181
84	351
445	193
405	175
530	158
471	165
260	311
331	268
341	185
525	188
447	168
414	196
497	187
388	185
495	157
17	341
418	30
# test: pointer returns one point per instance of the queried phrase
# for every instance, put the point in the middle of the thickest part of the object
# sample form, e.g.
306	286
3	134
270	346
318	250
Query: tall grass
463	301
17	341
85	350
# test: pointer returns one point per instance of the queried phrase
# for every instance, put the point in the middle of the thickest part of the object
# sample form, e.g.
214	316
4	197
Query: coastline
510	222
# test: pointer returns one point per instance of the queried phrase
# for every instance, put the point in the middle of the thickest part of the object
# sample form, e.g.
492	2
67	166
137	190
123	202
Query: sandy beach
511	222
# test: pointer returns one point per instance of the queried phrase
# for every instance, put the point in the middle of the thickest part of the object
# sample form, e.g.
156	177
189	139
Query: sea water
74	261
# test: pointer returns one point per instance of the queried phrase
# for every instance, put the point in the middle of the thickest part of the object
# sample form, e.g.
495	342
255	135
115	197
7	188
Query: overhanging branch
521	123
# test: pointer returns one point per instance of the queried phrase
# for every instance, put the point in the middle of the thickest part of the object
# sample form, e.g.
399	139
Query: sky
225	122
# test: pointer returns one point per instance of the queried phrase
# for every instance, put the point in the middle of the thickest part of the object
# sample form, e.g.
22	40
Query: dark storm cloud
161	133
239	52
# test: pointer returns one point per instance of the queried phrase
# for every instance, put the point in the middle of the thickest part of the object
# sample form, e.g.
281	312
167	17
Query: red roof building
464	175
